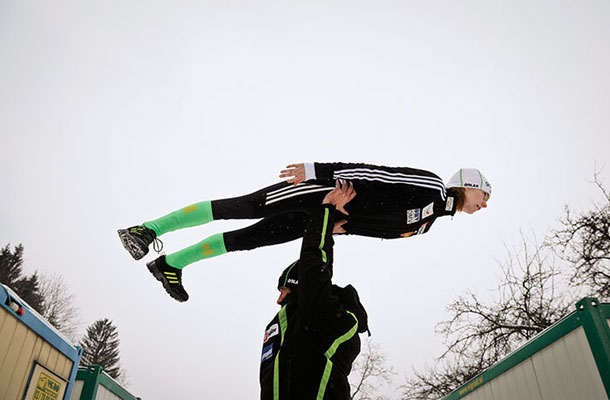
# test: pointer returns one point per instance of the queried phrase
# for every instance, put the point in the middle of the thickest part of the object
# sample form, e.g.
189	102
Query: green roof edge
94	375
591	316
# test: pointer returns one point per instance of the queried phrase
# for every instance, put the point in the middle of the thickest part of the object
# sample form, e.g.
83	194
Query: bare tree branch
584	241
371	375
59	305
478	334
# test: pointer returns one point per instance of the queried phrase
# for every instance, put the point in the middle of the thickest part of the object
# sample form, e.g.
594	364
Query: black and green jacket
310	345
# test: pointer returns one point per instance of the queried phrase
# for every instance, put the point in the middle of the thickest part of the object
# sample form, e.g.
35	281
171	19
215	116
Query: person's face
474	200
284	291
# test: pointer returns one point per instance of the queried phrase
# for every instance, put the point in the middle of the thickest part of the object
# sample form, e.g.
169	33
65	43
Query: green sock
193	215
210	247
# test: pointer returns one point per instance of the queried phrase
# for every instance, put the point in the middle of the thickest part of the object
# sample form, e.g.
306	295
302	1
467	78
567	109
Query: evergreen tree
11	274
101	347
10	265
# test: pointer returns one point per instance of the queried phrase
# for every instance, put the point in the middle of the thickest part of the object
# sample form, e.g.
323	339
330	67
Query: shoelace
157	245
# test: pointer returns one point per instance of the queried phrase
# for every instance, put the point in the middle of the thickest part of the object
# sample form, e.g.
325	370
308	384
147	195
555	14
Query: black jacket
310	345
390	202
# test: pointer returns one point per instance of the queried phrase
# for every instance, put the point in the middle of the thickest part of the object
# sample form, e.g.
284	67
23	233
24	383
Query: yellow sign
47	388
45	385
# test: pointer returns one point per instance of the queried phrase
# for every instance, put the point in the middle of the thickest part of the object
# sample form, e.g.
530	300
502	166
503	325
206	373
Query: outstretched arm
297	173
328	172
315	266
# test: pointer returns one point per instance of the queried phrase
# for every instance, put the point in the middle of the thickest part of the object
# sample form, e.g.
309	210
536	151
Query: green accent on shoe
210	247
193	215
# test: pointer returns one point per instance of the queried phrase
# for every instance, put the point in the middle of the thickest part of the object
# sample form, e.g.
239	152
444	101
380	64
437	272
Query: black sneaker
170	277
137	239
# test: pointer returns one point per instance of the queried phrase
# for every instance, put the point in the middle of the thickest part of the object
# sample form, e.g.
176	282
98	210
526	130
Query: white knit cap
470	178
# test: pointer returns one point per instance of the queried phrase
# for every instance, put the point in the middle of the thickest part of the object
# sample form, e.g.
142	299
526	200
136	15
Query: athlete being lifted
392	202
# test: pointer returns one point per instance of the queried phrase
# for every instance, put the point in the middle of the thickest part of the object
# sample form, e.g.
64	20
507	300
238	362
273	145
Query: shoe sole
159	276
131	245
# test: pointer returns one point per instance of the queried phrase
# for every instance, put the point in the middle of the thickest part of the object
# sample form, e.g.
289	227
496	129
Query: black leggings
284	210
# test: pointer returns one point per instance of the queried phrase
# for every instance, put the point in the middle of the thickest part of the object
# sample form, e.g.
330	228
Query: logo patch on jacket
413	215
267	353
271	332
422	228
407	234
449	205
428	210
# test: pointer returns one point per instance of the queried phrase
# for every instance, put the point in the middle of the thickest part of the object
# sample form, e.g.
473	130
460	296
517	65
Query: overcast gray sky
114	112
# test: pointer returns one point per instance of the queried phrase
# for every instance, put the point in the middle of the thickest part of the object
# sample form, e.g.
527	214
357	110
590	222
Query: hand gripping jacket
310	345
390	202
